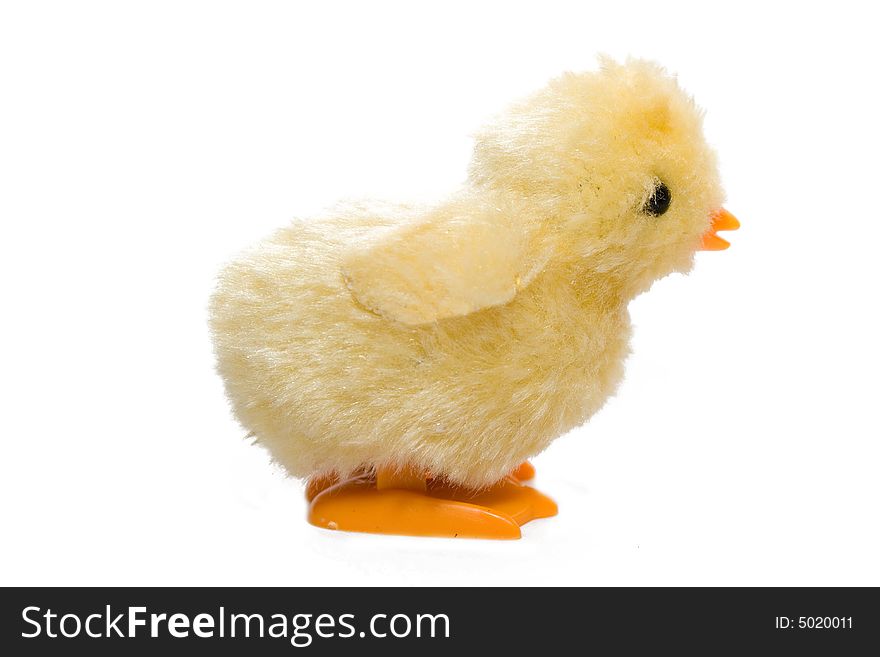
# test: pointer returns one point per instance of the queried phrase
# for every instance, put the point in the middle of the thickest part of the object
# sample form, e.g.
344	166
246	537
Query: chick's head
613	169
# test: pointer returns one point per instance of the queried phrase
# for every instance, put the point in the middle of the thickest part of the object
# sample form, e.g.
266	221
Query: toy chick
409	361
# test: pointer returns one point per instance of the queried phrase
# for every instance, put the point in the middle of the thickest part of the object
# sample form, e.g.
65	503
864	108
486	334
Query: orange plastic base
413	506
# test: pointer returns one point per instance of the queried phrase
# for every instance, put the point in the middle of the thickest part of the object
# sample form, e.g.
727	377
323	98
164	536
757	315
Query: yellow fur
464	338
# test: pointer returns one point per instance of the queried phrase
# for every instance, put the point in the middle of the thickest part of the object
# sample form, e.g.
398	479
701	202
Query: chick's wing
452	261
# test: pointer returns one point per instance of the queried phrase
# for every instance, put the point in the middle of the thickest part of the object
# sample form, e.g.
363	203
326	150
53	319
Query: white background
142	145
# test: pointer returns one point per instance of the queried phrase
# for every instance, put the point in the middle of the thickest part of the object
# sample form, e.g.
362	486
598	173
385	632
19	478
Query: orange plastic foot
525	471
508	496
359	505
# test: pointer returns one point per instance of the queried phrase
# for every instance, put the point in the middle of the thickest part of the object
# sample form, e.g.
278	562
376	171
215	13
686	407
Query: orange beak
721	220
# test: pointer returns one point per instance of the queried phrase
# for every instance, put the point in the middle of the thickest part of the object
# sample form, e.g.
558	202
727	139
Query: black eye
659	201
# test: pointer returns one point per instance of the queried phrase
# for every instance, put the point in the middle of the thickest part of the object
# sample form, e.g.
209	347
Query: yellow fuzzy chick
408	360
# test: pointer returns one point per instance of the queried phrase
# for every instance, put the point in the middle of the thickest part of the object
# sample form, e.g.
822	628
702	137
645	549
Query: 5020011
814	622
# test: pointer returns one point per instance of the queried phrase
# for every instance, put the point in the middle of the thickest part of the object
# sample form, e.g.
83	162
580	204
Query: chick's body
330	387
463	338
